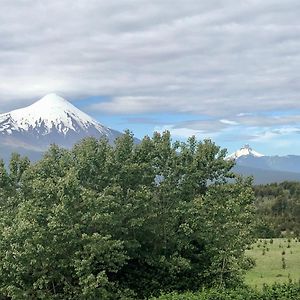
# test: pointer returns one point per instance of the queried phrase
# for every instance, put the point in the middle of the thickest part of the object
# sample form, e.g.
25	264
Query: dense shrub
289	291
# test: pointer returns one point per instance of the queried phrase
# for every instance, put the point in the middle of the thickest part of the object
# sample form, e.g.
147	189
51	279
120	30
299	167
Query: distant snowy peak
50	120
244	151
51	113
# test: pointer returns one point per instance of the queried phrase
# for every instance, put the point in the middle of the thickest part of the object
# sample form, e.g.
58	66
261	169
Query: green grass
269	264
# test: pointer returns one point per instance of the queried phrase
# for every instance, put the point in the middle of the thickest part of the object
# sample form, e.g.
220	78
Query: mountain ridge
50	120
246	150
264	168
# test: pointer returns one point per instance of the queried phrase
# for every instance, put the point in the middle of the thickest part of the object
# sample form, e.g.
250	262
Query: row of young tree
278	209
122	222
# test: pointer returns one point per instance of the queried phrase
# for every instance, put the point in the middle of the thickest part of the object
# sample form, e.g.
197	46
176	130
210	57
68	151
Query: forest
278	209
131	221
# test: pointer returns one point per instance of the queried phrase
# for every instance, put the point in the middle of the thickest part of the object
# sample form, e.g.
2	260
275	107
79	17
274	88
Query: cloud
210	58
203	125
275	133
185	132
143	120
228	122
270	120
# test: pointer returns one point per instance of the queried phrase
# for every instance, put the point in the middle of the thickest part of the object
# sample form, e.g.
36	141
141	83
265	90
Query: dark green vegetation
123	222
278	209
289	291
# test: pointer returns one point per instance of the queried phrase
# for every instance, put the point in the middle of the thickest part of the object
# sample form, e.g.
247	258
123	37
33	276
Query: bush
290	291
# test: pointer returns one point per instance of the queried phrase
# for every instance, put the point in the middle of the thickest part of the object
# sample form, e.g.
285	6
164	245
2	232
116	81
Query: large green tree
123	221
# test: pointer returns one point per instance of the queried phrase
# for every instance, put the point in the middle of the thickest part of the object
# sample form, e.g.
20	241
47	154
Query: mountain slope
50	120
266	169
288	163
264	176
244	151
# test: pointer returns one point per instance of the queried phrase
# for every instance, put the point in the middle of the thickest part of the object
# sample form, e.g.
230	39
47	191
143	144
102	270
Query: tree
103	222
227	216
58	245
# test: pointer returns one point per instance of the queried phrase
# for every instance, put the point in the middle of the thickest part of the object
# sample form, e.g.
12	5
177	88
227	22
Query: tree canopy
124	221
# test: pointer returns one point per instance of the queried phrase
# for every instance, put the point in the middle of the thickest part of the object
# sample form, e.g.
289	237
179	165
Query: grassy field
277	260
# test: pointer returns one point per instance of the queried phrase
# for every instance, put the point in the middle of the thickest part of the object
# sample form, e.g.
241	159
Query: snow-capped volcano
52	112
265	168
51	119
244	151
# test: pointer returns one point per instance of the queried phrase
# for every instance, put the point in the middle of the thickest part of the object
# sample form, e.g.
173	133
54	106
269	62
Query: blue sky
221	69
269	139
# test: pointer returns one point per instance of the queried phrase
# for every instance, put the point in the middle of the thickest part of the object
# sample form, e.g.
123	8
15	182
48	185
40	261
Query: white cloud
270	120
184	133
229	122
214	58
269	134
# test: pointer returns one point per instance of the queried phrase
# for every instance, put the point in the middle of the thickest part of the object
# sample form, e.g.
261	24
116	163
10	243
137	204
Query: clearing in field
277	260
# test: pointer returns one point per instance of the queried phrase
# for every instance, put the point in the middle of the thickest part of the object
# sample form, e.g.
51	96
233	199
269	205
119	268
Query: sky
225	70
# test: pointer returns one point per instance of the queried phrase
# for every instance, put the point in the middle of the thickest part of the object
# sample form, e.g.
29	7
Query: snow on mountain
244	151
50	112
52	119
265	169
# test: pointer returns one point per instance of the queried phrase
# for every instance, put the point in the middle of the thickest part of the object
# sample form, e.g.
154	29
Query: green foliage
278	209
275	292
103	222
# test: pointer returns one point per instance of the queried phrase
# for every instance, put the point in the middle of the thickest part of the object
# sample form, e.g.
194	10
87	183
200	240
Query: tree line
124	221
278	209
